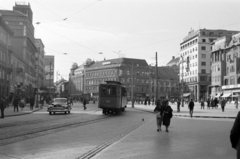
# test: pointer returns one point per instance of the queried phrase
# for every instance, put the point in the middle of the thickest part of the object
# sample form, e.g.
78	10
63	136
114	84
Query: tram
112	97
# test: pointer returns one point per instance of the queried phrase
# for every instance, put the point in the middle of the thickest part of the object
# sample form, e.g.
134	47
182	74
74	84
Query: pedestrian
84	103
208	103
235	135
216	103
2	106
31	102
236	103
167	115
191	107
202	104
223	104
178	105
159	114
15	103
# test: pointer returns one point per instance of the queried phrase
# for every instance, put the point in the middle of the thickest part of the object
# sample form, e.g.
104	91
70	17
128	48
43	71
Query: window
203	71
211	33
203	56
203	78
203	40
203	33
203	47
203	63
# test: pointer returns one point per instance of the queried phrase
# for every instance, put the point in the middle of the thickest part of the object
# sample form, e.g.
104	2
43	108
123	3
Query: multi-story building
49	74
168	82
218	64
231	78
40	70
195	64
20	21
5	57
174	64
76	78
121	69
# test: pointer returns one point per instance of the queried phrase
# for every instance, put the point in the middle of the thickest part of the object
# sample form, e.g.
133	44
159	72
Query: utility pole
156	70
37	100
132	88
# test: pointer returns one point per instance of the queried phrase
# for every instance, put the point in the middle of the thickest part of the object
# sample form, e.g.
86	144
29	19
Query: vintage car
59	105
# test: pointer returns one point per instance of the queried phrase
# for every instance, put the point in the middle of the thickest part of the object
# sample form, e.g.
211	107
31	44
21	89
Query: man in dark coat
235	135
159	114
2	106
84	103
32	101
191	107
167	114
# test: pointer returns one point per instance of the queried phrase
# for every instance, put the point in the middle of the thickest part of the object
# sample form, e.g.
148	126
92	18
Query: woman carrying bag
159	113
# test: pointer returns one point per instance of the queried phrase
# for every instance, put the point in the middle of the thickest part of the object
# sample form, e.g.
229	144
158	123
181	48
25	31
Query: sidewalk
9	111
230	111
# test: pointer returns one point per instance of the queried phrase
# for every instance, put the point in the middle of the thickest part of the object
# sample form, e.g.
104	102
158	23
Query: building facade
20	21
40	66
6	51
174	64
49	75
231	76
195	63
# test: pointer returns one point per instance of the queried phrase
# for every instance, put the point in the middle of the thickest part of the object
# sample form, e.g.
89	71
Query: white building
195	54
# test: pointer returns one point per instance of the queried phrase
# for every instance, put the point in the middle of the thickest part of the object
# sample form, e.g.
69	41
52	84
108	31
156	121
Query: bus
112	97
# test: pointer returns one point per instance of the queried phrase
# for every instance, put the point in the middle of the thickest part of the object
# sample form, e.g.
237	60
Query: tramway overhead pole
156	70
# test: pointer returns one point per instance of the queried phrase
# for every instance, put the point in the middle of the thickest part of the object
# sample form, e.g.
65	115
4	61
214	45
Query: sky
75	30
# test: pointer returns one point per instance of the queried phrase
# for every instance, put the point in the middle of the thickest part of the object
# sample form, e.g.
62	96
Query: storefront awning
218	95
186	94
226	94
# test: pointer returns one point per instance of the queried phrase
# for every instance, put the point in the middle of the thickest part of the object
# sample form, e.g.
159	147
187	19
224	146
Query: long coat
167	115
235	135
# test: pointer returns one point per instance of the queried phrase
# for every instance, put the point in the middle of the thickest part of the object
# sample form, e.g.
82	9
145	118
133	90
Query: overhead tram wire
71	40
80	10
65	19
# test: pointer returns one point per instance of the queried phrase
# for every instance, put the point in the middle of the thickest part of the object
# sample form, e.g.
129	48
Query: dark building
121	69
5	57
23	43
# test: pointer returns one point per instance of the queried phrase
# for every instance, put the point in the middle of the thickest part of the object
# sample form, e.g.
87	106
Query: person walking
178	105
2	106
159	114
15	103
235	135
236	103
223	104
84	103
32	103
202	104
167	115
208	103
191	107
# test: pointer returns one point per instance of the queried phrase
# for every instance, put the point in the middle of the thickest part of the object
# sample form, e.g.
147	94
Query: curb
22	113
197	116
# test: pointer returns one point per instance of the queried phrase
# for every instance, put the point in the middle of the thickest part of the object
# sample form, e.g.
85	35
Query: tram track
92	153
10	125
47	130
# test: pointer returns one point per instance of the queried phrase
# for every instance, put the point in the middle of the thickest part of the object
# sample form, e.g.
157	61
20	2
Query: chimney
173	57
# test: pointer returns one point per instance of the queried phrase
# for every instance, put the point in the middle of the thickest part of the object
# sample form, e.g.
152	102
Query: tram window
108	91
